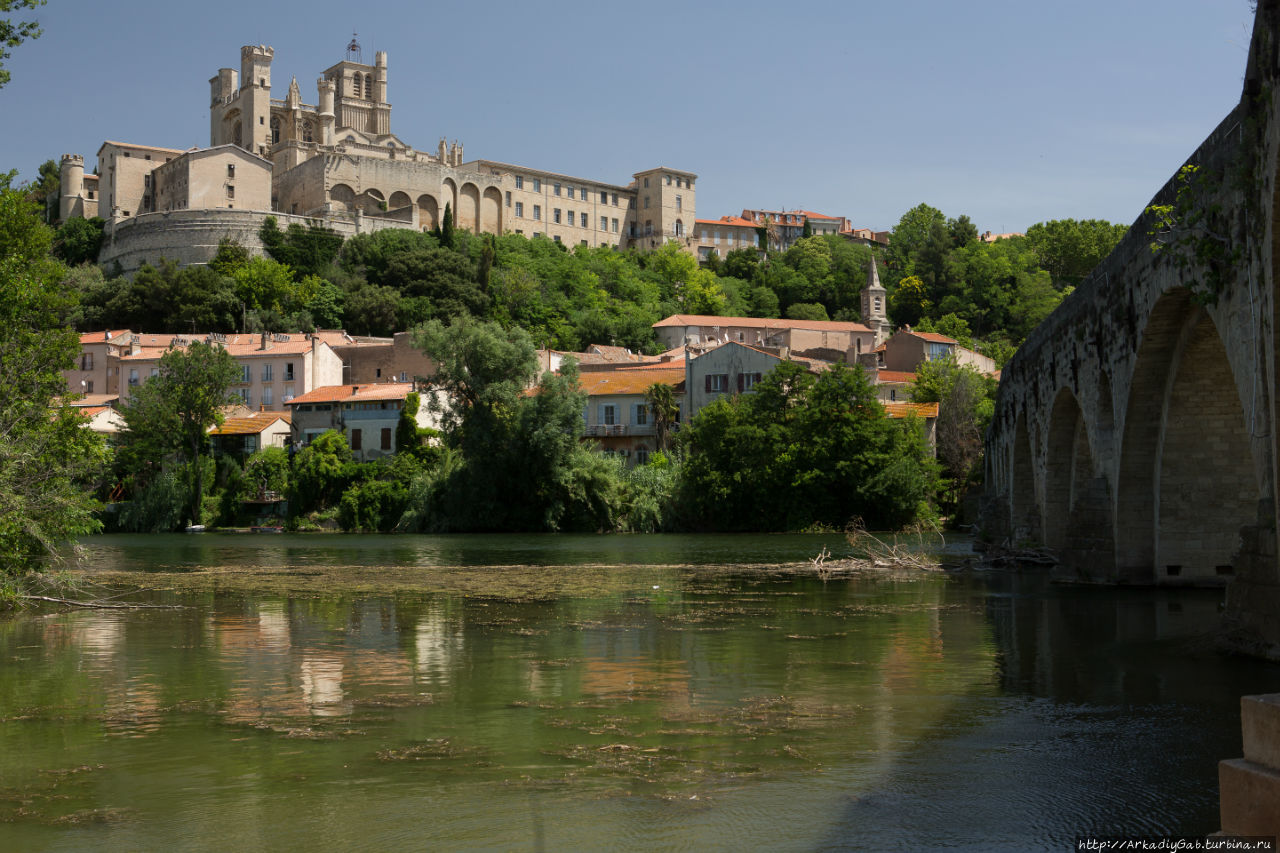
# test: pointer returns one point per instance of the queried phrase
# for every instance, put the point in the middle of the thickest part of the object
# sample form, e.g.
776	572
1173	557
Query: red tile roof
254	424
935	337
354	393
760	323
101	337
903	376
736	221
901	410
631	380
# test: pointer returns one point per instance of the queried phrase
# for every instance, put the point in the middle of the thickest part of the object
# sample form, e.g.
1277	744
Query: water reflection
848	712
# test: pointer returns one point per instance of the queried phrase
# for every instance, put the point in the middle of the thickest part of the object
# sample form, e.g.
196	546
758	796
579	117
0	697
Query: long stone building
338	162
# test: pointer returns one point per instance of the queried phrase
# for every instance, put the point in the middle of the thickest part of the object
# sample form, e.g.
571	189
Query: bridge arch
1068	466
1024	509
1188	479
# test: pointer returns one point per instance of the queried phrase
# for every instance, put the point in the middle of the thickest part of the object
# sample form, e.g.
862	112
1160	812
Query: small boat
195	528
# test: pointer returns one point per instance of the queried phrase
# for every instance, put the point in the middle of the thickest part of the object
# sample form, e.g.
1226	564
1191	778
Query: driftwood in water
906	551
99	605
1006	556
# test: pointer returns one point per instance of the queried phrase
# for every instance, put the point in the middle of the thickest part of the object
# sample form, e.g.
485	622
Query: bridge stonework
1135	430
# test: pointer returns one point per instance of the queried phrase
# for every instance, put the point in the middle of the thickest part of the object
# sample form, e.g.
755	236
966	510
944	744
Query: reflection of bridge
1134	431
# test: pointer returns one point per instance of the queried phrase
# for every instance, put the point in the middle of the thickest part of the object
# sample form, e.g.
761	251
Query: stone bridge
1135	430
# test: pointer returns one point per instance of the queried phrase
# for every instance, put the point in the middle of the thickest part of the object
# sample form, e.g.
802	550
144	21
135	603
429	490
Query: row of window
680	182
718	383
567	191
581	220
268	372
268	395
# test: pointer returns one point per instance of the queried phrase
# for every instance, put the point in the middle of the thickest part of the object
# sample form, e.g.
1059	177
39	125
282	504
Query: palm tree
662	403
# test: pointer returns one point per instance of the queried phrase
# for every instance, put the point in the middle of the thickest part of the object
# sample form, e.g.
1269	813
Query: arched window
679	228
275	129
368	86
309	131
237	135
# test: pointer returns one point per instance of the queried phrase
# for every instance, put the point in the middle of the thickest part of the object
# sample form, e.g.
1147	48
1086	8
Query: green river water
322	692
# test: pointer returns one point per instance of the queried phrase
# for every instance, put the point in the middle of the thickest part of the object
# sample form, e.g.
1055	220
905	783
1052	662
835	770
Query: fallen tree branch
100	605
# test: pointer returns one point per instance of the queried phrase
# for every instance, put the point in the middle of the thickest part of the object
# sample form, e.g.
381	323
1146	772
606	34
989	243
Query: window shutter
708	383
741	382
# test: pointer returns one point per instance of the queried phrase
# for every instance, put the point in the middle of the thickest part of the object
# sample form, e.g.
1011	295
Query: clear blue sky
1010	112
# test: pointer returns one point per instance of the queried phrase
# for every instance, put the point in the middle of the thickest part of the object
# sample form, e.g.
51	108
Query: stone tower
71	192
242	116
875	301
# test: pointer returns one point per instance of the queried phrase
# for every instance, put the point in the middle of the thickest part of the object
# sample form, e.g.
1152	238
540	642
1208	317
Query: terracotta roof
101	337
736	221
630	380
255	349
894	376
353	393
252	425
92	400
935	337
812	215
760	323
143	147
901	410
91	411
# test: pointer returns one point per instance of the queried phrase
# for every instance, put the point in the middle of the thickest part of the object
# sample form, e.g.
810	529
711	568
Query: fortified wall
191	237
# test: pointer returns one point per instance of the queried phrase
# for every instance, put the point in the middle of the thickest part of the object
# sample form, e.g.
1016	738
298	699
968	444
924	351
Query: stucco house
907	349
366	414
617	415
245	435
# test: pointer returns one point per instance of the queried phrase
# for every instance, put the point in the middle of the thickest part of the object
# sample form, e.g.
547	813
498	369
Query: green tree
321	473
45	190
807	311
47	457
79	240
14	33
966	403
307	251
800	450
661	400
1069	249
175	409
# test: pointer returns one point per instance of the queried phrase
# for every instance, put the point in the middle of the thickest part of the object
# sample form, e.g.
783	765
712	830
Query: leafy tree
807	230
79	240
800	450
908	238
504	436
174	410
229	258
321	473
47	456
14	33
45	191
966	403
1069	249
807	311
308	251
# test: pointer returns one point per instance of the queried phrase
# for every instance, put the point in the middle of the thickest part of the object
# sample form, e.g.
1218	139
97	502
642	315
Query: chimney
108	335
263	345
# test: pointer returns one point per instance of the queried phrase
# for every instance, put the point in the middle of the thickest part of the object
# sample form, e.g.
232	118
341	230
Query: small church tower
875	305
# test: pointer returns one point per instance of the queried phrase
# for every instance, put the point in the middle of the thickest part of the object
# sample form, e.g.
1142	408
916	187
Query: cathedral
337	162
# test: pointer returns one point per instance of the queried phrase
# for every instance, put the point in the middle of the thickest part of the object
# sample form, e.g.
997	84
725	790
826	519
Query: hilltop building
339	163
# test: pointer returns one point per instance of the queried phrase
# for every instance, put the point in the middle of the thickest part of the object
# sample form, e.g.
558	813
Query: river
589	692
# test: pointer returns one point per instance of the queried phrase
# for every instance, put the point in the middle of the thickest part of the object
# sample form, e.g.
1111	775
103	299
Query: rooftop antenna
353	50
